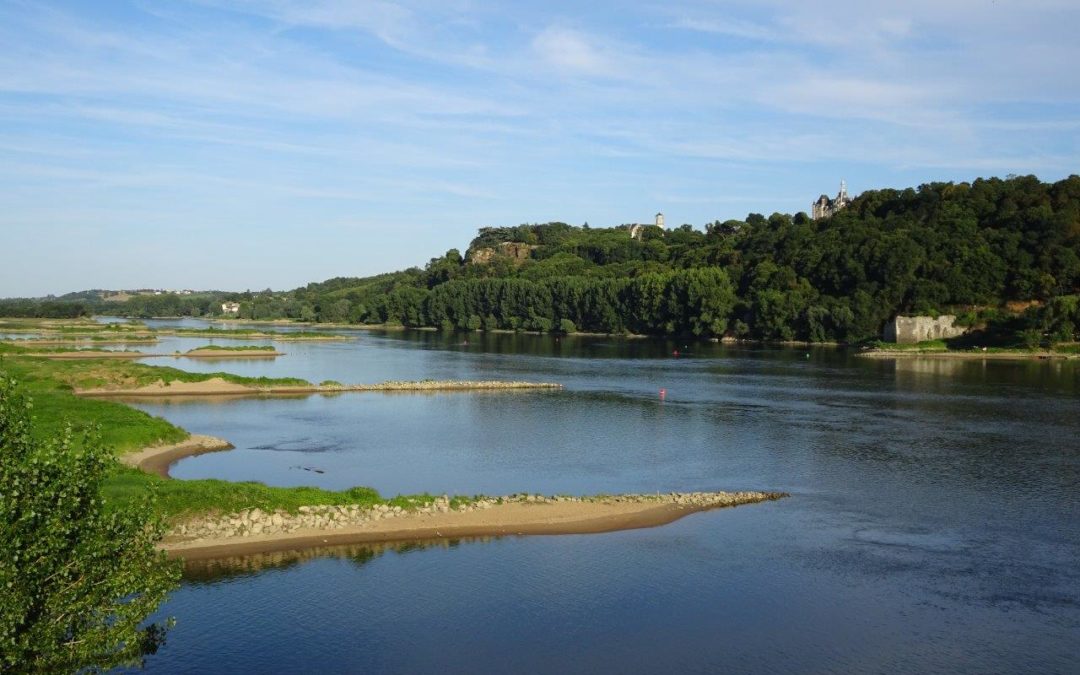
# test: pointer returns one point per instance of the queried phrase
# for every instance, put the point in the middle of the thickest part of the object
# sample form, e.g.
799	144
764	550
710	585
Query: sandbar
202	539
254	531
75	342
230	354
157	459
88	354
217	386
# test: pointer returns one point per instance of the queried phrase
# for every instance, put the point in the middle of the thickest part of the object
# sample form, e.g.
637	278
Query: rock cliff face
912	329
517	252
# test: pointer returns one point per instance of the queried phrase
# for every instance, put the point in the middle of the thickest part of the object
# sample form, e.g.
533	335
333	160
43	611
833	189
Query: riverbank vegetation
78	575
124	429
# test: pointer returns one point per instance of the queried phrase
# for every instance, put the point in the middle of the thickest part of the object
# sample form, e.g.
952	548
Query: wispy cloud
446	114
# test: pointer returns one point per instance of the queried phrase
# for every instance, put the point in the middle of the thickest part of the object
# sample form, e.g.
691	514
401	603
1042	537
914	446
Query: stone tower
660	220
824	207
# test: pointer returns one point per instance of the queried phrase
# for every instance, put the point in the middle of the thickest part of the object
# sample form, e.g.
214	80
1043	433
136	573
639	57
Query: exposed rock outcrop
912	329
516	251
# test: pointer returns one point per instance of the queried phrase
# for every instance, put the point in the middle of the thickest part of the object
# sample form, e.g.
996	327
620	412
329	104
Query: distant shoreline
968	355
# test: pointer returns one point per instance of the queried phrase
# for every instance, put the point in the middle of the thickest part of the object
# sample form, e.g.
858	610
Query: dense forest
985	251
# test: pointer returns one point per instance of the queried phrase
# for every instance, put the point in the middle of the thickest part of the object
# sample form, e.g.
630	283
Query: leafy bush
78	575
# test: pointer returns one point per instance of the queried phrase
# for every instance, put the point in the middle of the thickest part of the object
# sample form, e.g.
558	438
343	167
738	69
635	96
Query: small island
223	352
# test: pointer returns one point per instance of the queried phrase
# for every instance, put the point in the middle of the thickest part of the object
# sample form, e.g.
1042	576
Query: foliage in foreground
78	575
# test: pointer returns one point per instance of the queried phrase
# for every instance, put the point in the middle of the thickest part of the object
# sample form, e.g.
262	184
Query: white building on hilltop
825	207
637	229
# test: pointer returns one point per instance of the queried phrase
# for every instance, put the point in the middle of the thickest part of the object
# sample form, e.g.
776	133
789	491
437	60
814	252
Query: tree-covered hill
942	247
977	249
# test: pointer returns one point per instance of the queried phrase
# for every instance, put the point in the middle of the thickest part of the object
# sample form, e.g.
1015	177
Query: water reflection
934	523
232	567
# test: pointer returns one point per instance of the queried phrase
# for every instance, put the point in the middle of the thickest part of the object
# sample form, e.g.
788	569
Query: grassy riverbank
51	384
963	350
122	428
178	499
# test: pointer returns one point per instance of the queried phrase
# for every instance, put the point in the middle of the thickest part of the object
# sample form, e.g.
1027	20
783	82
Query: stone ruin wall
517	252
912	329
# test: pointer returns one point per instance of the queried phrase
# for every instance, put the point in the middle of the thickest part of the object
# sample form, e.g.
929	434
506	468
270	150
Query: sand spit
220	387
256	531
968	356
157	459
414	519
76	342
88	354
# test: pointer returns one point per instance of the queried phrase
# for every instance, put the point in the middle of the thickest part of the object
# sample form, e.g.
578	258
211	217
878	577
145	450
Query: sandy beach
524	515
158	458
87	354
77	342
230	354
255	531
219	387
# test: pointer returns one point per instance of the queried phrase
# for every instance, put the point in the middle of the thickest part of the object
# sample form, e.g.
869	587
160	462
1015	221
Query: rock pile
255	522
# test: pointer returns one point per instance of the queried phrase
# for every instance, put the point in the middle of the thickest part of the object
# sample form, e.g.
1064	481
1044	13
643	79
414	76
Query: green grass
125	429
12	348
177	499
190	497
118	374
122	428
924	346
957	345
98	328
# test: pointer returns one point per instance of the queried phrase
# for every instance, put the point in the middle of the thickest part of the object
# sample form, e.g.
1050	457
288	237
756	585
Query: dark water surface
934	523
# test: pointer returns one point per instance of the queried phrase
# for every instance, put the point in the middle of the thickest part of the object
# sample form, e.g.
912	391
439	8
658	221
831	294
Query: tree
78	576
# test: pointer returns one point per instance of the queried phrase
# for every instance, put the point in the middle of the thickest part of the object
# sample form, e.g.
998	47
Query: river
934	522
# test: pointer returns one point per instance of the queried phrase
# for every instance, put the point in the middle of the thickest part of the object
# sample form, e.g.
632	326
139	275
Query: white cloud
432	111
574	52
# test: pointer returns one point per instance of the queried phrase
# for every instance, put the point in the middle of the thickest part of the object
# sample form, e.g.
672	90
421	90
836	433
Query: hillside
983	250
976	249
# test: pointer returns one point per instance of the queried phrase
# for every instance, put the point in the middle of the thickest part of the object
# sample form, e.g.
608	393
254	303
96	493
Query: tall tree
78	576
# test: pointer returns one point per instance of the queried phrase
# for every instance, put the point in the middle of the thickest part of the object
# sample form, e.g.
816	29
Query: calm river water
934	522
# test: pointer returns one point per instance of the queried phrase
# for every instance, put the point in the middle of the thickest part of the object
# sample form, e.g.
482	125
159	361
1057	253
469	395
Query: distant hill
980	250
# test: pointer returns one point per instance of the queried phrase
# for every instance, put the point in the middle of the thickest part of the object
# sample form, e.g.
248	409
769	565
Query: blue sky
213	144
